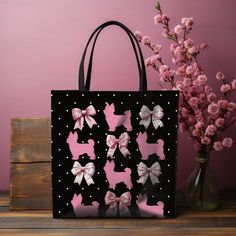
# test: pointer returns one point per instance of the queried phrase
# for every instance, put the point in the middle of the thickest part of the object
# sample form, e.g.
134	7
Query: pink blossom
219	122
205	140
178	29
193	102
187	82
225	88
218	146
231	106
208	89
189	70
145	40
223	104
227	142
165	33
188	43
187	21
213	108
199	125
157	19
157	48
202	78
204	46
193	50
233	84
138	36
195	133
210	130
211	97
220	76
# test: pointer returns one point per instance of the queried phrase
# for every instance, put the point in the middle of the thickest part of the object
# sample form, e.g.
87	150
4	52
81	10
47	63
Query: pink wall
41	43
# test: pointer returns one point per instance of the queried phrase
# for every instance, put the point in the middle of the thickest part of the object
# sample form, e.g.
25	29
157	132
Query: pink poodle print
81	210
114	177
114	120
148	149
78	149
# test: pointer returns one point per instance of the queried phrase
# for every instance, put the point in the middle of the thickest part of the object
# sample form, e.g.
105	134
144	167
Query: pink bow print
155	116
153	172
85	172
122	142
122	202
79	116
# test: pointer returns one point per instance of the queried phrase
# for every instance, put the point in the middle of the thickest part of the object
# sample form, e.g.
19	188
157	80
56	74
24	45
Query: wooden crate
30	164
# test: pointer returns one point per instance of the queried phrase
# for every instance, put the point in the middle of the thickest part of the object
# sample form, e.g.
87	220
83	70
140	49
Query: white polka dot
98	188
168	149
129	95
137	118
67	157
90	103
168	180
67	110
59	180
82	157
98	157
51	157
98	141
168	165
59	196
90	133
90	196
67	188
145	94
176	126
160	188
51	173
168	196
153	196
153	134
106	149
106	180
51	110
176	95
137	149
176	141
168	211
67	95
160	94
137	102
51	141
67	126
59	102
51	95
59	118
59	149
168	102
176	110
98	94
59	212
67	204
98	110
98	173
114	95
153	102
82	141
121	165
51	126
67	173
59	165
168	118
121	102
74	102
168	133
82	94
82	188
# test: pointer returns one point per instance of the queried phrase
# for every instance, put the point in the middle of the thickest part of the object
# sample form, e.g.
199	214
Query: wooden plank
30	140
30	186
124	232
4	198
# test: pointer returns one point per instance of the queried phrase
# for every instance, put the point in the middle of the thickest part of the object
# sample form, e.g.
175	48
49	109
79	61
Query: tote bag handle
142	70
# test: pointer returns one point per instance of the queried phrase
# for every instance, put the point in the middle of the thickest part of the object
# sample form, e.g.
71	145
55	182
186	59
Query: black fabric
62	124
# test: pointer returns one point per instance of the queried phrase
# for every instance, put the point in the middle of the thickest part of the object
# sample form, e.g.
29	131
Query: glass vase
201	191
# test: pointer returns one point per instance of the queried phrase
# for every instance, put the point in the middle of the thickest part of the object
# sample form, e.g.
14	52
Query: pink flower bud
205	140
233	84
145	40
138	36
227	142
218	146
225	88
220	122
210	130
220	76
213	108
178	29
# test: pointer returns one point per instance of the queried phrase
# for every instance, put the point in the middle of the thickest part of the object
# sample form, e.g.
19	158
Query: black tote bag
114	152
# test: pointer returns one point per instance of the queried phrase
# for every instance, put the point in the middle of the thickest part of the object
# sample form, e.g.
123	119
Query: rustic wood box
30	166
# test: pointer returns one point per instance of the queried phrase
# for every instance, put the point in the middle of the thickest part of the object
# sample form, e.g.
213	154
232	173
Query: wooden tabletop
219	222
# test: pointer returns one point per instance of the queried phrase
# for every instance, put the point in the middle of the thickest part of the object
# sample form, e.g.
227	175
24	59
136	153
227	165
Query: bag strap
142	70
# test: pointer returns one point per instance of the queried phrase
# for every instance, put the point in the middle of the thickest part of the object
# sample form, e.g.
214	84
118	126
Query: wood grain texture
30	140
30	186
219	222
30	164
